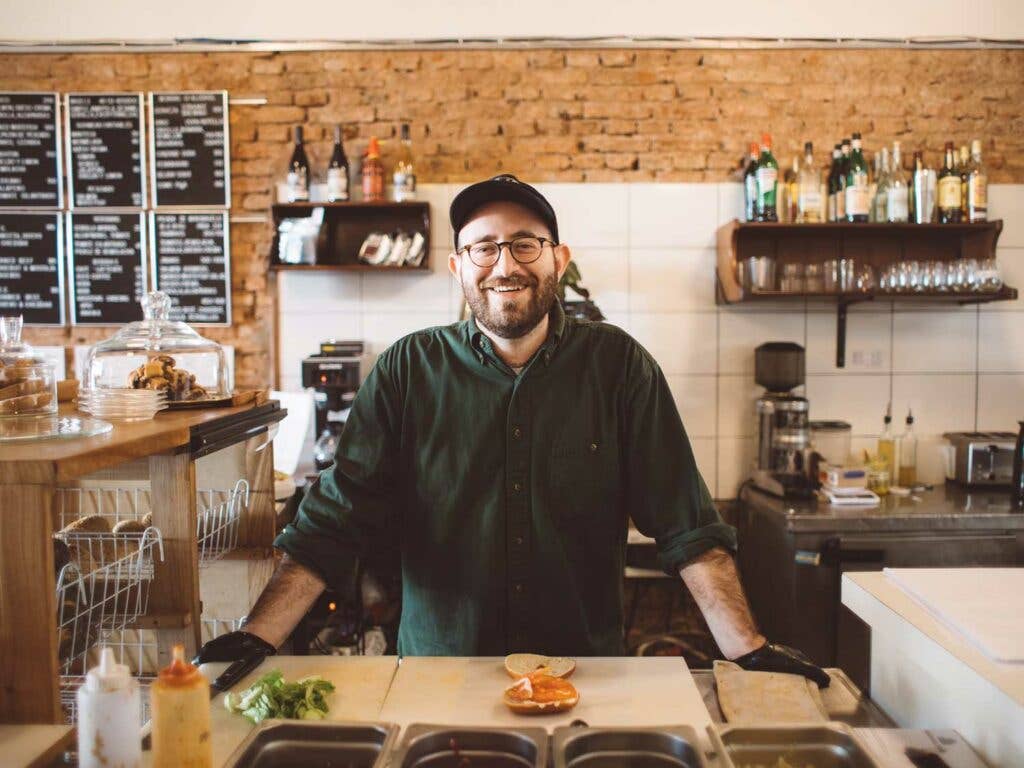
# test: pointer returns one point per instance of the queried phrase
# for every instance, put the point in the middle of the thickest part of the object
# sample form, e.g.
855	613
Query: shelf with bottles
853	259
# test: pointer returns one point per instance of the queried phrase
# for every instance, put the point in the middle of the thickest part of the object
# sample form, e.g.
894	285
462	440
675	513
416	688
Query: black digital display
106	165
189	149
106	267
29	151
31	269
192	265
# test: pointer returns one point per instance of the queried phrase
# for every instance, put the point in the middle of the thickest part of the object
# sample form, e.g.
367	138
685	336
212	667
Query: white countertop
925	674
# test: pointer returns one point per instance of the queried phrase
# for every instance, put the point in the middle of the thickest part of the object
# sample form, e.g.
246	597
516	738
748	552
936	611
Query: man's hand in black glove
232	647
781	658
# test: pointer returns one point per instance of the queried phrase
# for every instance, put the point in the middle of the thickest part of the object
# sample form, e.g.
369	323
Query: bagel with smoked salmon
540	693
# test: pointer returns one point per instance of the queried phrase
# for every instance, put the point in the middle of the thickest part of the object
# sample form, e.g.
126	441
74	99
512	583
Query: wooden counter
30	476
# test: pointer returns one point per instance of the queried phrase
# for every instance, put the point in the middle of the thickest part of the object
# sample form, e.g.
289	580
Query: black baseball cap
504	187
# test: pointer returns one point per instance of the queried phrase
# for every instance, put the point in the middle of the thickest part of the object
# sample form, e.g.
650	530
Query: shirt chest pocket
584	476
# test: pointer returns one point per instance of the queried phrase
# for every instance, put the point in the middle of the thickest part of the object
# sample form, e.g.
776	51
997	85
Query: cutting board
625	691
981	604
361	685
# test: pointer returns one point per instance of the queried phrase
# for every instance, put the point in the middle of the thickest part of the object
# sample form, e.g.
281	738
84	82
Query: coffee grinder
783	429
333	374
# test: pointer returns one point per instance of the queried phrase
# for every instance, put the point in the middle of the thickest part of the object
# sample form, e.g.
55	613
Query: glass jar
878	479
28	386
159	354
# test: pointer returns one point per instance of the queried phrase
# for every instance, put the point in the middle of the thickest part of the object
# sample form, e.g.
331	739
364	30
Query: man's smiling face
509	298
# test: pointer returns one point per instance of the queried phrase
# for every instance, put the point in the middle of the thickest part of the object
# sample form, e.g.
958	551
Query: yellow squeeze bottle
180	703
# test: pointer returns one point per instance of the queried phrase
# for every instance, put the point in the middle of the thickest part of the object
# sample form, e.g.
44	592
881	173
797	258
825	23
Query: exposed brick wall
551	115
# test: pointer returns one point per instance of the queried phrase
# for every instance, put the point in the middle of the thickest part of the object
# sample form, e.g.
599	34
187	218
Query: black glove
781	658
232	647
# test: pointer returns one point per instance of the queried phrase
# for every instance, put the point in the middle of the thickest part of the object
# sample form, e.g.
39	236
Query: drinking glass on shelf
988	279
937	271
813	278
865	278
917	277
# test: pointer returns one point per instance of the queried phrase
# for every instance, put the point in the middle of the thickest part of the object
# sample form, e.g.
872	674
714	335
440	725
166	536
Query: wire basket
103	589
217	522
218	512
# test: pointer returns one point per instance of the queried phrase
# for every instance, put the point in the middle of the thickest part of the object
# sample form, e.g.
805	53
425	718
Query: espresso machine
333	375
783	428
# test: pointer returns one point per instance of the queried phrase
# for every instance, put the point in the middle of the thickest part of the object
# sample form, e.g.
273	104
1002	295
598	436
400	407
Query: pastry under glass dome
28	386
159	354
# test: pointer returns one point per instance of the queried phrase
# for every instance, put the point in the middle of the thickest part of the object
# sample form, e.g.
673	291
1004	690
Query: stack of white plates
122	404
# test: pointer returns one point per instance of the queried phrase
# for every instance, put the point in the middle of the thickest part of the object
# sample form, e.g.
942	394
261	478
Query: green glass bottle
767	182
858	195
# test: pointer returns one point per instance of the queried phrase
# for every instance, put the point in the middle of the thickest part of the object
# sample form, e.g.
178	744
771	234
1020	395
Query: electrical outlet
866	358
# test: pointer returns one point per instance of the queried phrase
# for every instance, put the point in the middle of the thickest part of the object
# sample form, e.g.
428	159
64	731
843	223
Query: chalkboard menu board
29	151
31	267
106	166
191	263
188	140
106	267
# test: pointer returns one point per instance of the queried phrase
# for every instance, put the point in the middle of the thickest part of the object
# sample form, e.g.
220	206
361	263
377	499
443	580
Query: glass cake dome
28	386
157	353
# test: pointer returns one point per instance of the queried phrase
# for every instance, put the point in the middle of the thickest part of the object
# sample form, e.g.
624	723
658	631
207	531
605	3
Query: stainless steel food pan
667	747
824	746
445	746
314	744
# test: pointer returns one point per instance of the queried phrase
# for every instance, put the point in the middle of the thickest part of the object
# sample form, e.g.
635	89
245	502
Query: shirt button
519	588
517	433
593	447
519	541
517	487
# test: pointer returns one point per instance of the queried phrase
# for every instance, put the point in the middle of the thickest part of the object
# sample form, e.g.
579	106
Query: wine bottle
373	172
949	188
767	182
858	199
750	184
833	184
977	186
808	203
404	177
298	171
337	170
897	209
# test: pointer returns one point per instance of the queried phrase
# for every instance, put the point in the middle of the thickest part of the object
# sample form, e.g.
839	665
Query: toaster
982	458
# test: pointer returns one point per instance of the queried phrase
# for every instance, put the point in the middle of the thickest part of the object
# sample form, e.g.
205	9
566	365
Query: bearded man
500	459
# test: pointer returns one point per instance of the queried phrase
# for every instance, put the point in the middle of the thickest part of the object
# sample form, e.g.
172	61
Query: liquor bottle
908	454
298	170
922	199
949	188
788	210
404	177
833	184
888	447
880	206
750	184
767	181
897	208
977	186
844	167
858	201
964	168
337	171
808	201
373	172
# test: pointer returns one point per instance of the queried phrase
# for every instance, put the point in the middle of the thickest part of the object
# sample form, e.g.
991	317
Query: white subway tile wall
647	253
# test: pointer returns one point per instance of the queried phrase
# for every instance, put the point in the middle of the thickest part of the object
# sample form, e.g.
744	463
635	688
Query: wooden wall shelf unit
32	475
346	225
878	244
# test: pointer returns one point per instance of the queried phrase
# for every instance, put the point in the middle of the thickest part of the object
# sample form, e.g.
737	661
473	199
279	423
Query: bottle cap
337	134
108	675
373	148
405	132
753	148
298	134
910	416
856	136
976	146
766	140
808	147
179	672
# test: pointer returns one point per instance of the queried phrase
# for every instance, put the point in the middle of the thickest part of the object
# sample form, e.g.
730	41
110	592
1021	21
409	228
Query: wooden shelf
345	227
347	268
876	244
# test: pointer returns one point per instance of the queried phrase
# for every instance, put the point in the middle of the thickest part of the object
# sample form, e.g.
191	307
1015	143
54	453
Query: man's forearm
715	584
285	600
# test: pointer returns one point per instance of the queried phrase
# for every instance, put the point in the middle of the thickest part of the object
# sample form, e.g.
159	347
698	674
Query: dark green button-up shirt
506	497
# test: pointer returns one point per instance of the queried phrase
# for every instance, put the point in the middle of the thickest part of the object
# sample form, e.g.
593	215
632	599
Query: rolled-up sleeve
349	509
668	498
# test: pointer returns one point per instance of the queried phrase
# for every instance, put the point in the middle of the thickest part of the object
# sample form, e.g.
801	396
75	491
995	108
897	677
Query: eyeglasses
523	249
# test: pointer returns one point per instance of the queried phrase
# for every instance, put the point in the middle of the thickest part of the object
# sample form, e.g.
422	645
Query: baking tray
843	701
664	747
824	746
442	746
289	743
